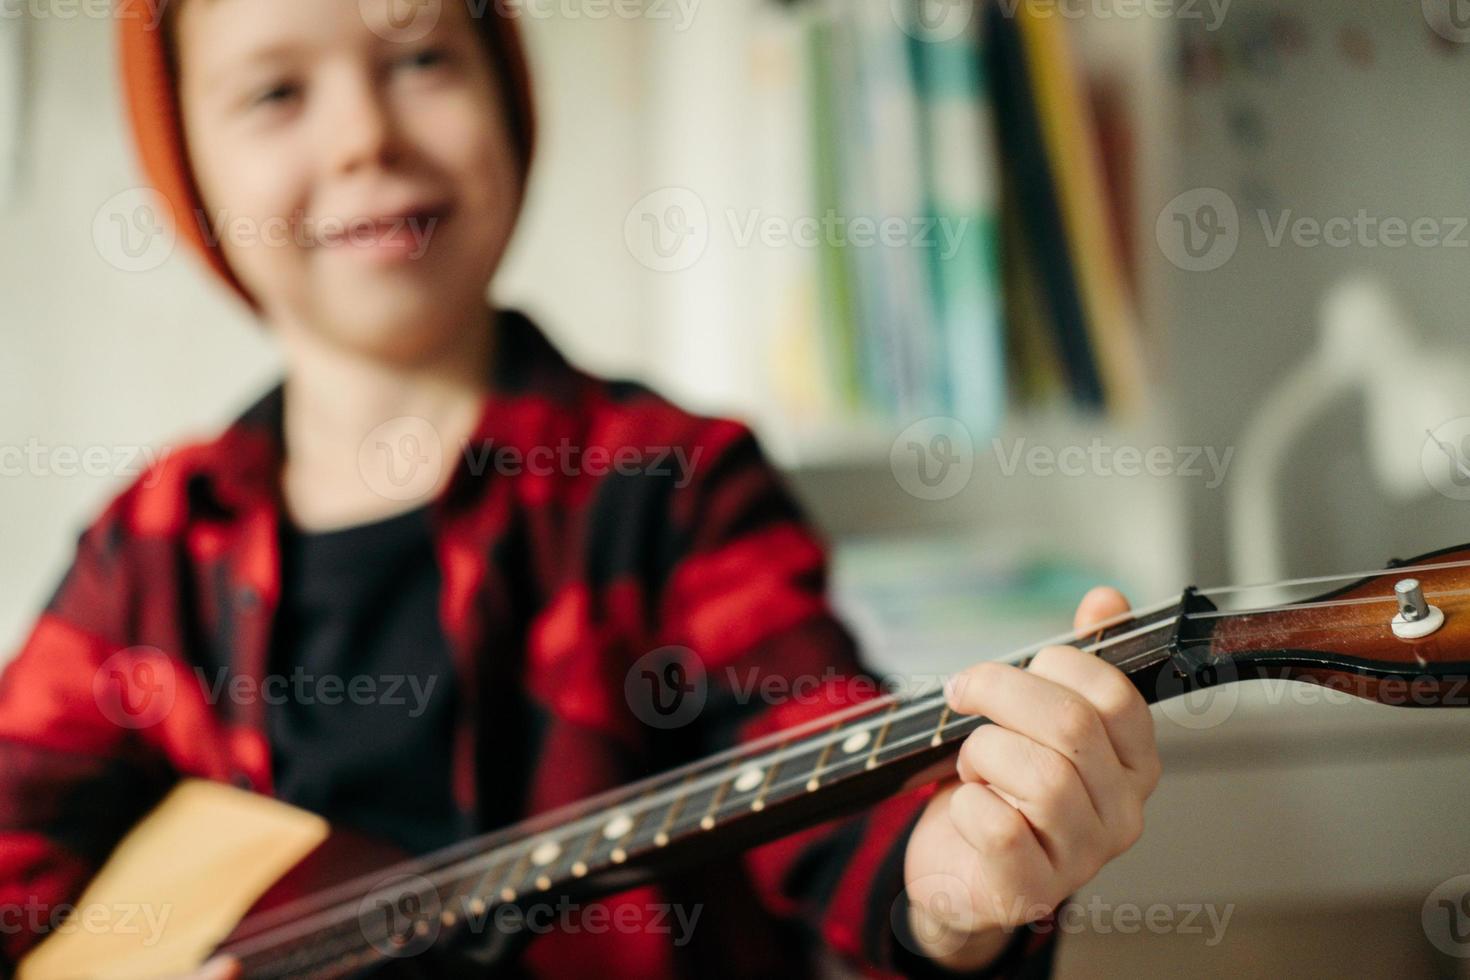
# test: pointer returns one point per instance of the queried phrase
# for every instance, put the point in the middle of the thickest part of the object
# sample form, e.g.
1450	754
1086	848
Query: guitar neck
1400	636
746	796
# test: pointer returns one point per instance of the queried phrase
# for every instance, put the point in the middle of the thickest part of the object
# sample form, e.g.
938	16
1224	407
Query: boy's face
367	185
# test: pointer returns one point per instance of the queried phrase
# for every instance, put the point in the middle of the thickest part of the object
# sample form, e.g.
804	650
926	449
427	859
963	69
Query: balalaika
289	897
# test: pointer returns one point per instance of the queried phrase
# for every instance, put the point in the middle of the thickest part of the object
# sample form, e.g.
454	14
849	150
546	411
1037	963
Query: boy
338	530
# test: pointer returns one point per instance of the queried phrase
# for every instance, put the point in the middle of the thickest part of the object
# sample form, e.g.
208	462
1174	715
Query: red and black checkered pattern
553	585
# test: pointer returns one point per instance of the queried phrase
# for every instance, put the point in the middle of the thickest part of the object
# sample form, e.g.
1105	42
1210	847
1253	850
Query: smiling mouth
395	231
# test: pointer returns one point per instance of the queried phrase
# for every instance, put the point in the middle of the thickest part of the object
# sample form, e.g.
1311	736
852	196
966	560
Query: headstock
1400	636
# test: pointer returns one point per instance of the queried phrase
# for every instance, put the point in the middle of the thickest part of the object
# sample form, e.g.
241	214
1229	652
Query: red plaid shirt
555	580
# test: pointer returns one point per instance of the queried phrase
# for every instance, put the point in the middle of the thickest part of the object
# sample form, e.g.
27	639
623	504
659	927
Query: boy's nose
359	130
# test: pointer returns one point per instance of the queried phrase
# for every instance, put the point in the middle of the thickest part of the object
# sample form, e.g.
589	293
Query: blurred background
1022	296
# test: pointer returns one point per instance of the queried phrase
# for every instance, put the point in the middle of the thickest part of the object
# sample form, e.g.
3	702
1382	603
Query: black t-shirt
361	718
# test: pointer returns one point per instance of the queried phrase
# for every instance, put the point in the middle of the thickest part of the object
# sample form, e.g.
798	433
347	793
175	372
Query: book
899	208
838	309
1043	239
804	378
1070	138
961	170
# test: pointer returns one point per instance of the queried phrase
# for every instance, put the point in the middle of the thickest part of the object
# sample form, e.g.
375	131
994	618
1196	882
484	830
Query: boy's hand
1046	796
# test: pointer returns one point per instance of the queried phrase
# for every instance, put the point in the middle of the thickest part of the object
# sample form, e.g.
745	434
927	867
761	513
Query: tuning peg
1416	617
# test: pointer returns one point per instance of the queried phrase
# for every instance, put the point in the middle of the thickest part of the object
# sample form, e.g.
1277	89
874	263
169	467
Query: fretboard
745	796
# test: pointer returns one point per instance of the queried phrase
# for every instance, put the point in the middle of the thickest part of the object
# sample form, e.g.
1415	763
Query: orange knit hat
158	133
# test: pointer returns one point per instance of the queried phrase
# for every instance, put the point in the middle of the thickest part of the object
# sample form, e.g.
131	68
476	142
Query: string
580	813
435	871
960	720
1325	579
1323	604
973	721
565	818
519	836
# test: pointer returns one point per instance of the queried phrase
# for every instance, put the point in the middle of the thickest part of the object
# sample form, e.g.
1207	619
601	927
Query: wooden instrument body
206	857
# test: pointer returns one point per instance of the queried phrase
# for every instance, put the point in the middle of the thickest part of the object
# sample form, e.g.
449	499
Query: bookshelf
640	107
741	330
1215	342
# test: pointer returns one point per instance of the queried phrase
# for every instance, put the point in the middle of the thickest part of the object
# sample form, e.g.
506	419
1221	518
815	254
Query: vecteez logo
1199	230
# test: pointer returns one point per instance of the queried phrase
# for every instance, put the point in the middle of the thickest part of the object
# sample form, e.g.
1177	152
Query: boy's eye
274	94
425	58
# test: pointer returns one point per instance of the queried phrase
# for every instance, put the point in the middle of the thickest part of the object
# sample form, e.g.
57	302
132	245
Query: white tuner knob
1416	617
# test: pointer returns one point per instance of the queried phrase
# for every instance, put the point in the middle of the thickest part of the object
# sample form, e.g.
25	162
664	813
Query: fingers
1099	605
1045	712
1001	836
1122	709
1119	706
1055	786
1046	788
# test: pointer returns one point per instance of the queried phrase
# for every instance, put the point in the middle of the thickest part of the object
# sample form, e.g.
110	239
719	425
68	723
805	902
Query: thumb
1101	603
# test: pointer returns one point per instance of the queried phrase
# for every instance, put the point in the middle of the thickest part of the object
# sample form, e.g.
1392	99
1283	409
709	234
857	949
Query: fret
707	822
856	740
844	743
752	782
872	762
542	858
559	859
617	832
507	891
938	736
759	803
700	799
735	793
776	776
661	836
890	732
477	901
911	730
618	854
457	894
865	742
859	750
612	839
815	780
579	866
784	771
960	726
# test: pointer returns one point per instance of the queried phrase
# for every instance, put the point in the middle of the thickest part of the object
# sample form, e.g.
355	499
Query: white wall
1334	139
